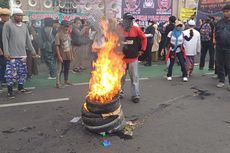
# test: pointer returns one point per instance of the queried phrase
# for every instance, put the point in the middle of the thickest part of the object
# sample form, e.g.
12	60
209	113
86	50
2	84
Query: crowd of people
65	46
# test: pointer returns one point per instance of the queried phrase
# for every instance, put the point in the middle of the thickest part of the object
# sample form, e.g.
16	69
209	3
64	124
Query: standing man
206	44
149	33
16	39
4	15
48	49
191	47
222	34
64	53
131	52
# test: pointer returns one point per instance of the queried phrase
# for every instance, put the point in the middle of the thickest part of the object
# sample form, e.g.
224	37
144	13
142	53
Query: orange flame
109	68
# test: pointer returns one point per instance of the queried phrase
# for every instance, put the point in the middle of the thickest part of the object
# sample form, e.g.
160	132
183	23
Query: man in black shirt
4	15
222	34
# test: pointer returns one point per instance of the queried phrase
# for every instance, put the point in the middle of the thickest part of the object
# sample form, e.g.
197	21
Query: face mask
179	28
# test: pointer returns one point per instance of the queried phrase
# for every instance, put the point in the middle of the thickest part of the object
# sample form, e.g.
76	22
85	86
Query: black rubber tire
106	127
99	108
98	121
85	113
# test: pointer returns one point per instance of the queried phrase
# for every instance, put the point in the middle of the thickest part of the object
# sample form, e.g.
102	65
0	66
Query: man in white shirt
192	47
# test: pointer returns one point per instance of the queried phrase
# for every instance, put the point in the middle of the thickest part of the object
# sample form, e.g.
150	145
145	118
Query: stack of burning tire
103	117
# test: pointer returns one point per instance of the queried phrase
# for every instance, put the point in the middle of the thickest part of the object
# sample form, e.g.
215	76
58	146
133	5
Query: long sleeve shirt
16	39
136	32
193	46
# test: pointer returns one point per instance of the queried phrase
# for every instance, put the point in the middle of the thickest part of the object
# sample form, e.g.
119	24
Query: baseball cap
128	16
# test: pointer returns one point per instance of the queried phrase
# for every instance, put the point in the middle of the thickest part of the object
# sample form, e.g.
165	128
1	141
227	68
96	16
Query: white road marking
35	102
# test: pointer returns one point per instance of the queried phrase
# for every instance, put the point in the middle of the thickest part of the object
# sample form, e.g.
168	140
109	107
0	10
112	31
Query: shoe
51	78
136	99
211	69
10	95
76	70
185	79
201	68
121	94
59	86
26	91
169	78
220	85
68	83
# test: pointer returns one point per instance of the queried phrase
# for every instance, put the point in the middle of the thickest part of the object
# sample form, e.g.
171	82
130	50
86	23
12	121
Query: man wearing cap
131	52
192	47
16	39
4	15
222	38
64	53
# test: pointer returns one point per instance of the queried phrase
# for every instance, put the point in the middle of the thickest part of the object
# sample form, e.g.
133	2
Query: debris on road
106	143
75	119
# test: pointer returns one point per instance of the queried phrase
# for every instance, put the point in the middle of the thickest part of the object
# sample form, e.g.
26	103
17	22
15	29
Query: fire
109	68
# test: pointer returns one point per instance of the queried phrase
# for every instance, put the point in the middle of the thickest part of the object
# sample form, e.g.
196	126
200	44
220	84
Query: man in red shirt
132	35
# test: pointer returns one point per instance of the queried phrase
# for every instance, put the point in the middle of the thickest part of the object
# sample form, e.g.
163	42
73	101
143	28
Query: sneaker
26	91
220	85
51	78
169	78
185	79
10	95
136	99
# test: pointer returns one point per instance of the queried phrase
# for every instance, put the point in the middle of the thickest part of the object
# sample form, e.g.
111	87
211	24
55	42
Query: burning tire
86	113
98	121
103	108
113	126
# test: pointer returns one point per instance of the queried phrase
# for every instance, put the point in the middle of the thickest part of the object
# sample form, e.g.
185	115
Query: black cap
65	23
128	16
226	7
172	19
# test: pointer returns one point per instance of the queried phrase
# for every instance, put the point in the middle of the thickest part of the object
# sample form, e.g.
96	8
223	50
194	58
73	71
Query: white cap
191	23
17	11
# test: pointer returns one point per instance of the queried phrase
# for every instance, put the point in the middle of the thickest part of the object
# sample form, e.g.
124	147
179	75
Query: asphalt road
176	117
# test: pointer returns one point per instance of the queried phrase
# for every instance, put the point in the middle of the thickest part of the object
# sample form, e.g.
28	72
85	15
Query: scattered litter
103	134
106	143
11	130
75	119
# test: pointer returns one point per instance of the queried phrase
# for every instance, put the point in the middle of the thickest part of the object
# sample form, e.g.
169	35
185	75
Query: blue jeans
2	69
132	69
